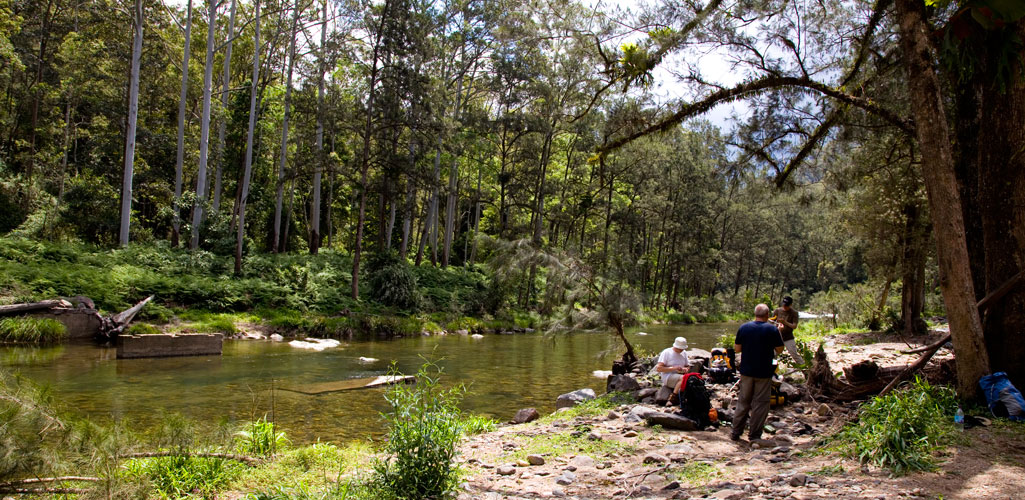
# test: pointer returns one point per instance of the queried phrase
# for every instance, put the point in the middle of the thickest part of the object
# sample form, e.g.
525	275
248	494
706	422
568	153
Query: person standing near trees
786	320
758	342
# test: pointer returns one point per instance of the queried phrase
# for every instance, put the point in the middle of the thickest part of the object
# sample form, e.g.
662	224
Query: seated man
672	364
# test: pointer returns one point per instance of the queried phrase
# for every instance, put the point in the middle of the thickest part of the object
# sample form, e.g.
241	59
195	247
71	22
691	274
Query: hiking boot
735	436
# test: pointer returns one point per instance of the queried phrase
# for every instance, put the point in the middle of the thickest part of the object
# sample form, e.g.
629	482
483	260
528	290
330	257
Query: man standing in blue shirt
758	342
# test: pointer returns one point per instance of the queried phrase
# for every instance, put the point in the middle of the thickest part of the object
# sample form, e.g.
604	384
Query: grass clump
32	330
900	431
598	406
478	424
424	426
573	442
697	473
178	477
260	438
142	329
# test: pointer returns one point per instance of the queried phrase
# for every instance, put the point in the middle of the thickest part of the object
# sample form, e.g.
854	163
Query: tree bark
133	116
204	127
280	191
453	181
225	93
318	172
944	200
180	158
248	168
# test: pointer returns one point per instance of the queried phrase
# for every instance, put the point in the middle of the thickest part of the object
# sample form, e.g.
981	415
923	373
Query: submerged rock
367	360
315	344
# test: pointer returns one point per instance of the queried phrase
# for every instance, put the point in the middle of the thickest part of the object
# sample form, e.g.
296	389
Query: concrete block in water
81	323
169	344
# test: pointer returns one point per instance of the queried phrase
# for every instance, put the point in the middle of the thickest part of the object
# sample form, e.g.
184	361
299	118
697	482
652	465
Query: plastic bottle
959	419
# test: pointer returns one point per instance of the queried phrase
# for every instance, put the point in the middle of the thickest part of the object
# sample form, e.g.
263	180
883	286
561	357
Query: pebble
799	479
594	436
522	463
671	486
630	434
558	493
613	415
566	479
582	461
535	460
824	410
506	470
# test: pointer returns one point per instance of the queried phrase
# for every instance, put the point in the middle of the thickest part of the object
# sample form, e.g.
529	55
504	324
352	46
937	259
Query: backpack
695	403
1003	398
720	367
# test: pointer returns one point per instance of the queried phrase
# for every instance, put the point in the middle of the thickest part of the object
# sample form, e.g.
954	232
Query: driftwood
37	480
112	326
39	491
917	365
32	306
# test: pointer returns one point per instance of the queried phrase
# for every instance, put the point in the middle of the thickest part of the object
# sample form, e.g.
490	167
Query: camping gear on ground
1003	399
695	403
776	396
720	367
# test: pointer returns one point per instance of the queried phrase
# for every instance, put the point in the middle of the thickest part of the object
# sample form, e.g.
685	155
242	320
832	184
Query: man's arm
779	349
736	347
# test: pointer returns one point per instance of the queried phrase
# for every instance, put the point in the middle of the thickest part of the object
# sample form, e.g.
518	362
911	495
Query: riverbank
603	451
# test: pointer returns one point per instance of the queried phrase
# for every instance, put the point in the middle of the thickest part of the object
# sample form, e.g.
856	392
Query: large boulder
621	383
574	398
671	421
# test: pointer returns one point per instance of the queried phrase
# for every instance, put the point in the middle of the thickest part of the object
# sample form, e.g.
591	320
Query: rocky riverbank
614	453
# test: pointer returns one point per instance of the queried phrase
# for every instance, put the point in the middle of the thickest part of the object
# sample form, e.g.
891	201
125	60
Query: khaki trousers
753	403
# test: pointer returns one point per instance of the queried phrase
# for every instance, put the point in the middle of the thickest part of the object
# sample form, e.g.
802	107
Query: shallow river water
503	373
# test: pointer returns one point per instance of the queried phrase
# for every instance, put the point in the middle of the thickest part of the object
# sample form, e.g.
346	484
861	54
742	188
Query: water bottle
959	419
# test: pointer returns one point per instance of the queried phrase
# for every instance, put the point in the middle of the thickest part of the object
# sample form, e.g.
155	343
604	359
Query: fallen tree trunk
917	365
32	306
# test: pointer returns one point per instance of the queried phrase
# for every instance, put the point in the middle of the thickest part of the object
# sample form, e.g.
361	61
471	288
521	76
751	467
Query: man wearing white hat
673	363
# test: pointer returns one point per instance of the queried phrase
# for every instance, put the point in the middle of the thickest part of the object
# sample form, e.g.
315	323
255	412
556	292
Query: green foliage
697	473
30	429
900	431
32	330
598	406
142	329
184	477
394	285
478	424
424	425
259	438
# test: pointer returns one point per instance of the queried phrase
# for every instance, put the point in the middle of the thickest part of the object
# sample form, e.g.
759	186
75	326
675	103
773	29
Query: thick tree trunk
432	211
279	194
1001	201
180	159
248	168
913	279
133	115
222	126
204	127
944	200
407	218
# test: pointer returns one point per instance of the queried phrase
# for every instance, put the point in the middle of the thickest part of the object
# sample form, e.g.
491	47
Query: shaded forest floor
604	453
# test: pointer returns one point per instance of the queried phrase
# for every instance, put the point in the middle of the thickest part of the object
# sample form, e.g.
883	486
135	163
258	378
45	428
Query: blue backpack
1003	398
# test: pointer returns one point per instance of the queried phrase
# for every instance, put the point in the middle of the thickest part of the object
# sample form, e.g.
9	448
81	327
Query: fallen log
32	306
944	340
49	491
917	365
112	326
38	480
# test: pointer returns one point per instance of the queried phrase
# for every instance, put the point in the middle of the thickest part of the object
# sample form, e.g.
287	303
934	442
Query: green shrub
32	330
395	286
424	426
901	430
142	329
259	438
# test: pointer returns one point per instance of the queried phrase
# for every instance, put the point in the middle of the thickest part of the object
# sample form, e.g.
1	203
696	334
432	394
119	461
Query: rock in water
621	383
671	421
367	360
276	338
476	336
602	373
574	398
526	415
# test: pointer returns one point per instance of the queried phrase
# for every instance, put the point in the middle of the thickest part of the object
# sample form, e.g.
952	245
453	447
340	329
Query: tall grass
32	330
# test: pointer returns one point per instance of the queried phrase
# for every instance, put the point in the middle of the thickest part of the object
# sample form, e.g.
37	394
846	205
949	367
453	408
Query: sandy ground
608	456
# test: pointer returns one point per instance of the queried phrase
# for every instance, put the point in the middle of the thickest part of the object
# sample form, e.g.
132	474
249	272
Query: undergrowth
902	430
32	330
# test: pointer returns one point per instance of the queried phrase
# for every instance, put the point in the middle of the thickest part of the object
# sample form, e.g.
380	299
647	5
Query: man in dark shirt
787	317
758	342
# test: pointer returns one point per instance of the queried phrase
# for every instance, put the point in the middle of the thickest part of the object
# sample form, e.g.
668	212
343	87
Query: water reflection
503	373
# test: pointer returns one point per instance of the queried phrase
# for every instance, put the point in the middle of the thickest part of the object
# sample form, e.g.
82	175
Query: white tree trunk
248	169
180	160
280	193
225	82
204	126
133	115
453	182
318	171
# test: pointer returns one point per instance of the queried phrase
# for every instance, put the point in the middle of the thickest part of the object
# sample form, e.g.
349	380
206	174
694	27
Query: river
502	373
